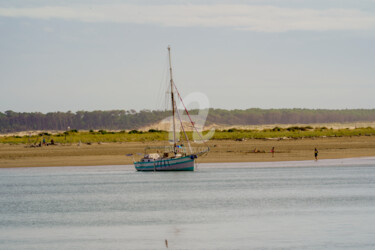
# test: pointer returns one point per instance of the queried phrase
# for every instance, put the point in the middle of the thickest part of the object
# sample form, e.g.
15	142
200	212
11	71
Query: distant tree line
11	121
256	116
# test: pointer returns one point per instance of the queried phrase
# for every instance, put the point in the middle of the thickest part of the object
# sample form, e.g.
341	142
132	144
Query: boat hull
175	164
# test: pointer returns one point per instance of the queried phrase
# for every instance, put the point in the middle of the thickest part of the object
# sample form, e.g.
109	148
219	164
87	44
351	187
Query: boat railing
179	149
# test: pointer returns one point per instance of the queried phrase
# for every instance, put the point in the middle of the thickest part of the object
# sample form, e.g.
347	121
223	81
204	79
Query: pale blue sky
101	55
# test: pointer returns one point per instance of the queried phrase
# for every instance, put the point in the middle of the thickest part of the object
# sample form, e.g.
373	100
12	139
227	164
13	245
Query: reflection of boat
175	157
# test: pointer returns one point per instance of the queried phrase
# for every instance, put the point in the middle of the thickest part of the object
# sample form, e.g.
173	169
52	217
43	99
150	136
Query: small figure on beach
273	151
44	141
316	154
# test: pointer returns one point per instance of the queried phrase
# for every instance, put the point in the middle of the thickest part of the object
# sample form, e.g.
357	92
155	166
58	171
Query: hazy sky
102	55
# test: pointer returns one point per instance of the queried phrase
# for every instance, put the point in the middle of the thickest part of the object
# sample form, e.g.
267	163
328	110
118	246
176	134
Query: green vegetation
157	135
291	132
11	121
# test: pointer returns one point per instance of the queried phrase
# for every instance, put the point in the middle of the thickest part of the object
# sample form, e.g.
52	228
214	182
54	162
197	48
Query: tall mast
173	104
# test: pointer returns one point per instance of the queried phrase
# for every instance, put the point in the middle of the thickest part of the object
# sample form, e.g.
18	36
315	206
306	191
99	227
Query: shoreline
302	163
221	151
362	161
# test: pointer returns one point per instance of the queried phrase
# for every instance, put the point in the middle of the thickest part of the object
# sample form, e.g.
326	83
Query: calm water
294	205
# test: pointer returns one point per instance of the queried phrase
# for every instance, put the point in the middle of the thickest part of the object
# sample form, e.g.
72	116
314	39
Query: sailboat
174	157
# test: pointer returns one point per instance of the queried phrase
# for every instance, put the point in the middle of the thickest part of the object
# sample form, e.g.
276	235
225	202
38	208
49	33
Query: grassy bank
75	136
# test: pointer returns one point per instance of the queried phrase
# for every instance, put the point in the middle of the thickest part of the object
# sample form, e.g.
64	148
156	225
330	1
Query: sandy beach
220	151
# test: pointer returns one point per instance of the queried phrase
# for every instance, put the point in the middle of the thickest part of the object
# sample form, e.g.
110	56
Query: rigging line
187	112
183	129
158	93
162	89
192	123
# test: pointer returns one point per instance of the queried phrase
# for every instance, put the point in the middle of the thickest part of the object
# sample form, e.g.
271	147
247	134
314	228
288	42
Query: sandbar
252	150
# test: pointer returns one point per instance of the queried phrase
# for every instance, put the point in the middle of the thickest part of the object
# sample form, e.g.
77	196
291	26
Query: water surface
329	204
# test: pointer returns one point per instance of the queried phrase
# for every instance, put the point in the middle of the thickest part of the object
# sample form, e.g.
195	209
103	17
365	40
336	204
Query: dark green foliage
135	132
296	128
45	133
155	131
231	130
277	129
256	116
11	121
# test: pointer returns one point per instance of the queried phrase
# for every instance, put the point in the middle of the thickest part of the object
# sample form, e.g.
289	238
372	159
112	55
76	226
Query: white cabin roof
152	156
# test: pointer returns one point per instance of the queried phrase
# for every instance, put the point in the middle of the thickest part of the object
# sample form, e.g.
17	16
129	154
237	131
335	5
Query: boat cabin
150	157
155	156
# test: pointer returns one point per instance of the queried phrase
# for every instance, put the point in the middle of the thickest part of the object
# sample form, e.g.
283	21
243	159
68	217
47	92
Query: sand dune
165	125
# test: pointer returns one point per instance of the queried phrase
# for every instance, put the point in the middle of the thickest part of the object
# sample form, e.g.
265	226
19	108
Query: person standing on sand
316	154
273	151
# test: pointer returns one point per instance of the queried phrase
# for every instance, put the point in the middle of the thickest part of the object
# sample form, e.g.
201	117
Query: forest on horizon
11	121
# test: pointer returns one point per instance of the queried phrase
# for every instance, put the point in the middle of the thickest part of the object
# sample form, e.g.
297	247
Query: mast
172	97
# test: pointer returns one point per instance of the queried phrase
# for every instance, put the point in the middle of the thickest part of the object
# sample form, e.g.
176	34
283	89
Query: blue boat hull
175	164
